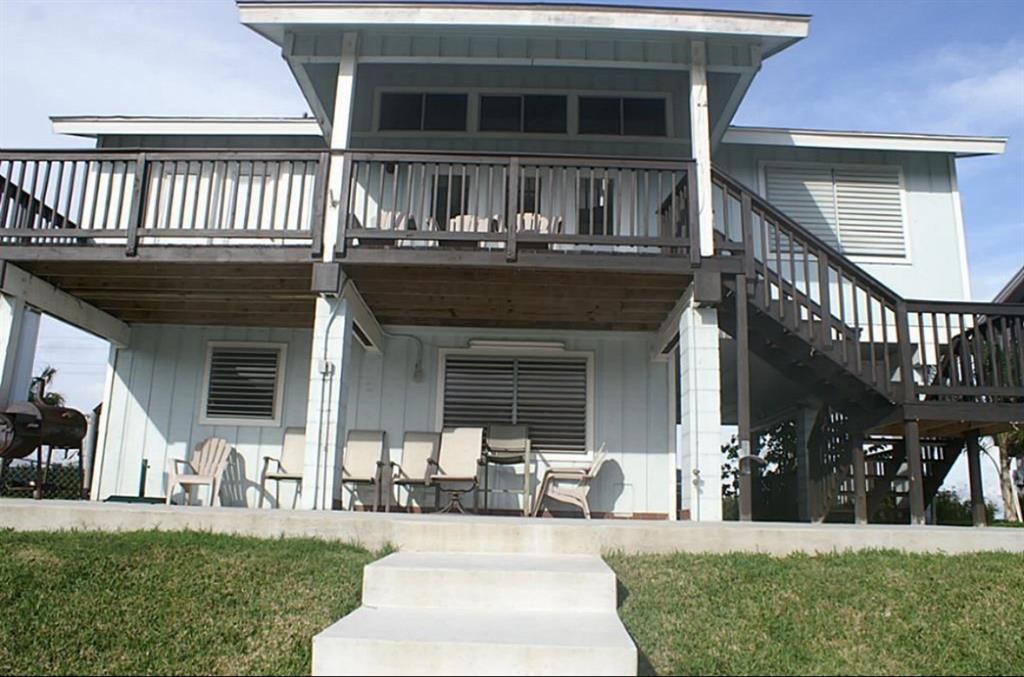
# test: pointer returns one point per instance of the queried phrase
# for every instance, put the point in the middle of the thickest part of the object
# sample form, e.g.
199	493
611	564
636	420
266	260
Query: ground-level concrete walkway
483	534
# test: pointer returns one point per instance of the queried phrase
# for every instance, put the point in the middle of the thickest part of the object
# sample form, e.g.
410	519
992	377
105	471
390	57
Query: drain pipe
327	370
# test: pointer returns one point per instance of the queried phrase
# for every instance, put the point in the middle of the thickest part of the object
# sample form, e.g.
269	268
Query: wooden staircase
934	373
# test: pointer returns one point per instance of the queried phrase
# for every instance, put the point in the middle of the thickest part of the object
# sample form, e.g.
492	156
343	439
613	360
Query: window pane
544	114
500	114
643	117
599	115
445	113
401	111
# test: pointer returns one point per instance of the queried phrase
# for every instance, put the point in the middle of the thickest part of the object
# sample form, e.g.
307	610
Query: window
532	113
858	210
617	116
401	111
244	383
549	395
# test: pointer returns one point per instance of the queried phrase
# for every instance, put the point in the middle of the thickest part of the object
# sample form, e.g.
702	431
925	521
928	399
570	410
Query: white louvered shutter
870	211
805	194
548	395
243	383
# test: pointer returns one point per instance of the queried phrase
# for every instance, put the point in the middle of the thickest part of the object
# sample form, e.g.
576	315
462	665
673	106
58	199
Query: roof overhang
92	126
272	18
1013	292
960	146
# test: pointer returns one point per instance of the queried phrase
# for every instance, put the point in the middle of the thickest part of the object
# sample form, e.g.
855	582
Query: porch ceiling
243	294
517	297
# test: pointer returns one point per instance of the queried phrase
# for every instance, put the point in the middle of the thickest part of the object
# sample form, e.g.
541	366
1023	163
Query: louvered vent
858	210
548	395
243	383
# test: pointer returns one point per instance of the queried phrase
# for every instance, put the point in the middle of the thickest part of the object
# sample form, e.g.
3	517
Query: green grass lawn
149	602
197	603
871	612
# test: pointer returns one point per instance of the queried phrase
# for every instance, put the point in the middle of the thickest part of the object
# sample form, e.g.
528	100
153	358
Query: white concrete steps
510	582
480	614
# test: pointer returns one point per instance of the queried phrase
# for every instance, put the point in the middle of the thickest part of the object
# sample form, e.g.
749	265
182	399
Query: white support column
341	133
700	143
326	407
701	390
12	318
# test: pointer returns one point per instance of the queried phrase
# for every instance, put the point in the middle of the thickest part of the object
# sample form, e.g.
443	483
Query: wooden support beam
700	143
915	472
978	515
743	401
860	485
50	300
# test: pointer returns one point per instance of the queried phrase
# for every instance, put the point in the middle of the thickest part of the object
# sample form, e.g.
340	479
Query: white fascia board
961	146
779	26
92	126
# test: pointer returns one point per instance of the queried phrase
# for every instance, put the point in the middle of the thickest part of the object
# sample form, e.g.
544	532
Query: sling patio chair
456	469
205	468
507	445
419	458
364	461
288	468
554	485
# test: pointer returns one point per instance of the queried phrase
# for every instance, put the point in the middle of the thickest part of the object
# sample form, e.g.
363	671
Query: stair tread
497	562
547	629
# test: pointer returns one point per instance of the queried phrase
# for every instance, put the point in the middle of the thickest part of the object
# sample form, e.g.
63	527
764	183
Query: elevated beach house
535	216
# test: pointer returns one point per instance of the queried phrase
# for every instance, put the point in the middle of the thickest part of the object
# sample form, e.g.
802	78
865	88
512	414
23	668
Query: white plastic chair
419	460
576	495
206	468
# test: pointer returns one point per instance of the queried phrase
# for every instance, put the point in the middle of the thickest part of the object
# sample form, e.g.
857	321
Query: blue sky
937	66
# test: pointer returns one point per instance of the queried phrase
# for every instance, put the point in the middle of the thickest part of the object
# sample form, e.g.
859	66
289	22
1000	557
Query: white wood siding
932	268
154	408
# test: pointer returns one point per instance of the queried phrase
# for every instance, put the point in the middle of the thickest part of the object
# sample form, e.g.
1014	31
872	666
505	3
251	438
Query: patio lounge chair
508	445
209	460
456	469
550	486
364	461
288	467
419	458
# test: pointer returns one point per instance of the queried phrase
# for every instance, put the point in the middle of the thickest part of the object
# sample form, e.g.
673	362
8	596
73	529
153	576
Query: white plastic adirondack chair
288	467
206	468
551	487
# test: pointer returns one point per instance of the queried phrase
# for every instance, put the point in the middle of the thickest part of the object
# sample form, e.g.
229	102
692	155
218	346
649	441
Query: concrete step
402	641
481	582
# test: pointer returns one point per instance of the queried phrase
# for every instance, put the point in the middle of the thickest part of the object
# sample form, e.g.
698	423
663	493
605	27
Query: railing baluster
41	201
512	209
319	223
825	301
136	213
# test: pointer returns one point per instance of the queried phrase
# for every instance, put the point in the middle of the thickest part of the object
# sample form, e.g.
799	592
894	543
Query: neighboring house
520	213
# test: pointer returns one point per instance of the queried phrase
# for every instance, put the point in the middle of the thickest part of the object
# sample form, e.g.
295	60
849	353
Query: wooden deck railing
908	351
82	197
499	202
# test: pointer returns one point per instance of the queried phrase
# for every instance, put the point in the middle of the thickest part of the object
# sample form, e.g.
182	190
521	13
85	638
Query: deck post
700	458
978	516
860	484
327	402
915	472
341	131
700	143
19	331
747	466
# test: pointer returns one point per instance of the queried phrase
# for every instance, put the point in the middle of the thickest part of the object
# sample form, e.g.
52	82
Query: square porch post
327	404
19	331
978	515
700	388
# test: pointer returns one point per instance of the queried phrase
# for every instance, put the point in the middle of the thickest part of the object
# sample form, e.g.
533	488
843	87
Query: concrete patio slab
482	534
